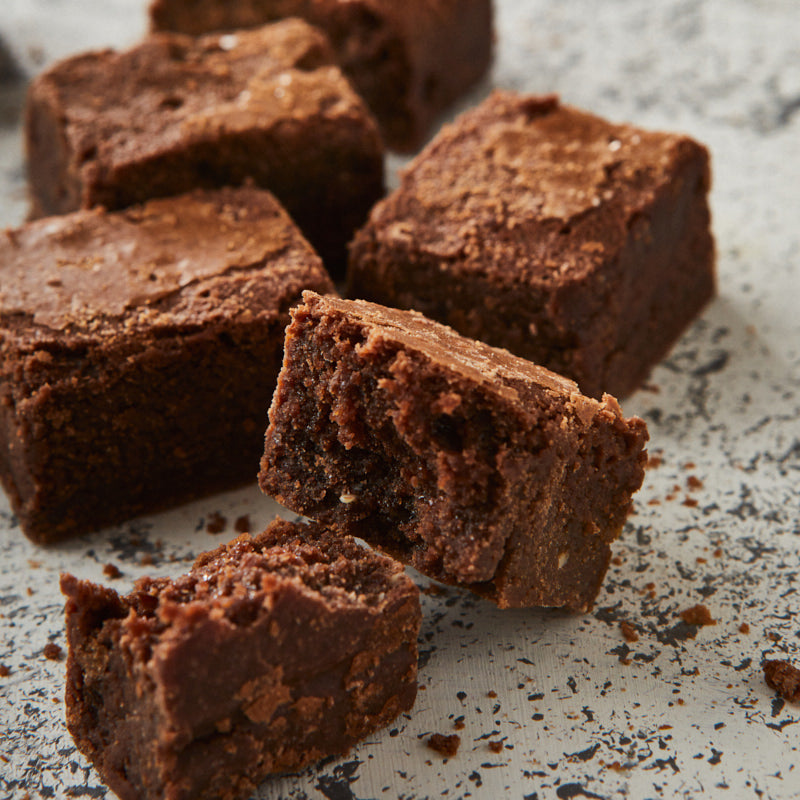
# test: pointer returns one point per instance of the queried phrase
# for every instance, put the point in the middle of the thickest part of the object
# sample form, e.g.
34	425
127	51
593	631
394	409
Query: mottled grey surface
580	712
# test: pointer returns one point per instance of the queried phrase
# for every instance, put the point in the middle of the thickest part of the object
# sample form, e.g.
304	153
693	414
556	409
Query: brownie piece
409	60
475	466
578	244
174	113
270	654
139	351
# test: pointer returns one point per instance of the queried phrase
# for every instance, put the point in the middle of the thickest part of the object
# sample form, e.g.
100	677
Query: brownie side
409	60
476	467
578	244
140	350
175	113
325	637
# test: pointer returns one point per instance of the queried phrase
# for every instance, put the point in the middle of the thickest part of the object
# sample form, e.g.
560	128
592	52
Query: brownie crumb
242	524
4	671
616	766
444	745
694	483
784	678
112	571
496	747
628	632
773	637
52	651
146	560
744	628
654	461
697	615
690	502
491	693
717	553
459	724
216	523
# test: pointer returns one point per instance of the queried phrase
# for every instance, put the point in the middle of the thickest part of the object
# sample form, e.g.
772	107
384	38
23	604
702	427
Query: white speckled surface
688	716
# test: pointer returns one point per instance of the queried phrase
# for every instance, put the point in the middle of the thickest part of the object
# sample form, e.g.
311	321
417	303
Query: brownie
581	245
409	60
477	467
139	351
174	113
270	654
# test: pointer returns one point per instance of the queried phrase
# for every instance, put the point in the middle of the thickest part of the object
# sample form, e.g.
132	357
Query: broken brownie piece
139	351
175	113
475	466
270	654
581	245
409	60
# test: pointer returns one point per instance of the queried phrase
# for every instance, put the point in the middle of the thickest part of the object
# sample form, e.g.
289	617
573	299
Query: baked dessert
473	465
578	244
139	351
323	634
409	60
174	113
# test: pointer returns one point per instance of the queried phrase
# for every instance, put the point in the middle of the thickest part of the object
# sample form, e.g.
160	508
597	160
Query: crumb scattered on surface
52	651
34	564
690	502
216	523
491	693
697	615
654	461
628	632
694	483
146	560
444	745
784	678
496	746
773	637
744	628
242	524
111	571
458	724
717	553
4	671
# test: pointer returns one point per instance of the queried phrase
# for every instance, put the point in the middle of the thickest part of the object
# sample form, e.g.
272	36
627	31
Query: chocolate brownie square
409	60
270	654
139	351
176	113
581	245
475	466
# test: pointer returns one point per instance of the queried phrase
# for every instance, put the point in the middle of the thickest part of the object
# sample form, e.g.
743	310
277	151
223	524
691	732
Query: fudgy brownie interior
473	465
273	652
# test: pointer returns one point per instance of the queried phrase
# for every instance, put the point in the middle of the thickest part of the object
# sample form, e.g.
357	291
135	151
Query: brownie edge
324	633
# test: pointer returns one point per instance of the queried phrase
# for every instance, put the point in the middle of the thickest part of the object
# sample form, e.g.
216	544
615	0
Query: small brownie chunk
270	654
409	60
174	113
475	466
139	351
578	244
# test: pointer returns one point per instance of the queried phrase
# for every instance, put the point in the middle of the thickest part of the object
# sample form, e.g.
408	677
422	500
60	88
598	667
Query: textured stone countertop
580	711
